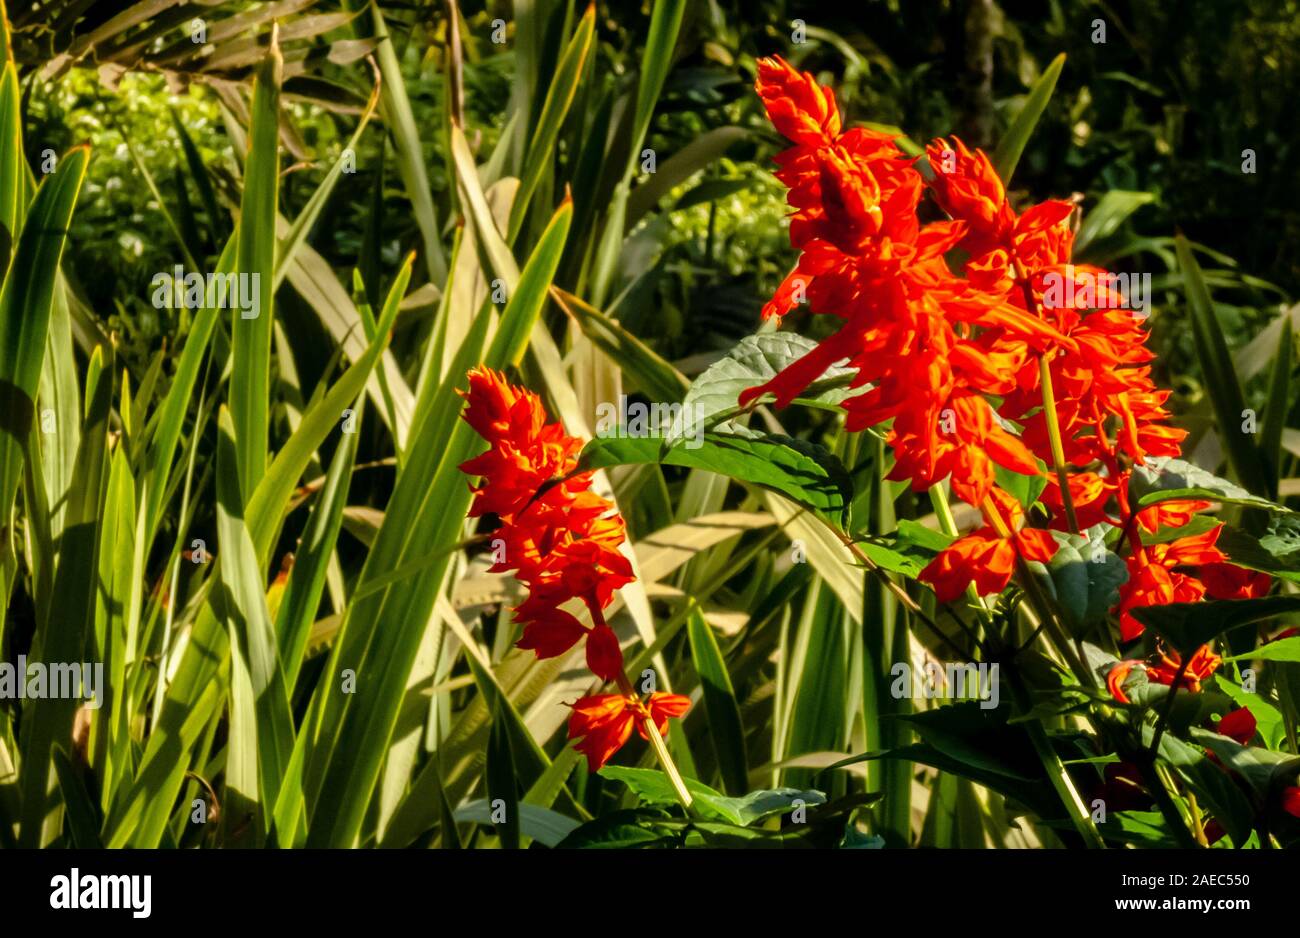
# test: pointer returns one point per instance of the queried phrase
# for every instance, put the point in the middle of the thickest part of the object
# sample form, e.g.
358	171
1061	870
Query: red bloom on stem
1200	667
1154	579
605	722
561	539
986	557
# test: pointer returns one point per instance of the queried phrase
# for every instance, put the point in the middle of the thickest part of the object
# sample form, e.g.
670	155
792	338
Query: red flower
605	722
1116	677
799	108
1291	800
1228	581
1155	581
561	539
1203	663
986	557
1239	725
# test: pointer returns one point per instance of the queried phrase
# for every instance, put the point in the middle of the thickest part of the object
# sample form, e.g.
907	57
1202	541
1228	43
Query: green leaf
69	625
302	593
1283	649
1086	577
502	786
261	727
1106	217
1268	719
1211	784
1013	142
696	155
425	513
83	818
653	375
543	825
804	472
1164	479
1275	412
652	787
267	502
726	731
255	258
1276	551
754	361
978	737
25	303
400	120
1188	626
559	97
908	550
1220	379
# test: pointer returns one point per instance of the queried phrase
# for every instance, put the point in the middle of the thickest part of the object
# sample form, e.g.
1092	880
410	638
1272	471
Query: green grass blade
255	257
1012	145
64	635
1219	376
559	97
1275	410
726	731
25	303
261	739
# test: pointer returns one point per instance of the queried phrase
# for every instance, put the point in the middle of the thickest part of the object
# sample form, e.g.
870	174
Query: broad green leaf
1085	577
804	472
652	787
1188	626
1282	649
754	361
1275	550
1163	479
543	825
907	550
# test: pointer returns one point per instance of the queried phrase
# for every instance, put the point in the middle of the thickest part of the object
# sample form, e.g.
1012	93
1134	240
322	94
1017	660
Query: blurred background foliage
1164	107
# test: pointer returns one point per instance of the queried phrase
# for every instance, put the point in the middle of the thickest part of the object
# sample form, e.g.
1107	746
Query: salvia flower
1012	357
562	541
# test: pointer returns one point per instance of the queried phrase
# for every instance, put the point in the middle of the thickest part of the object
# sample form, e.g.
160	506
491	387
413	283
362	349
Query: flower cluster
1021	359
562	541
